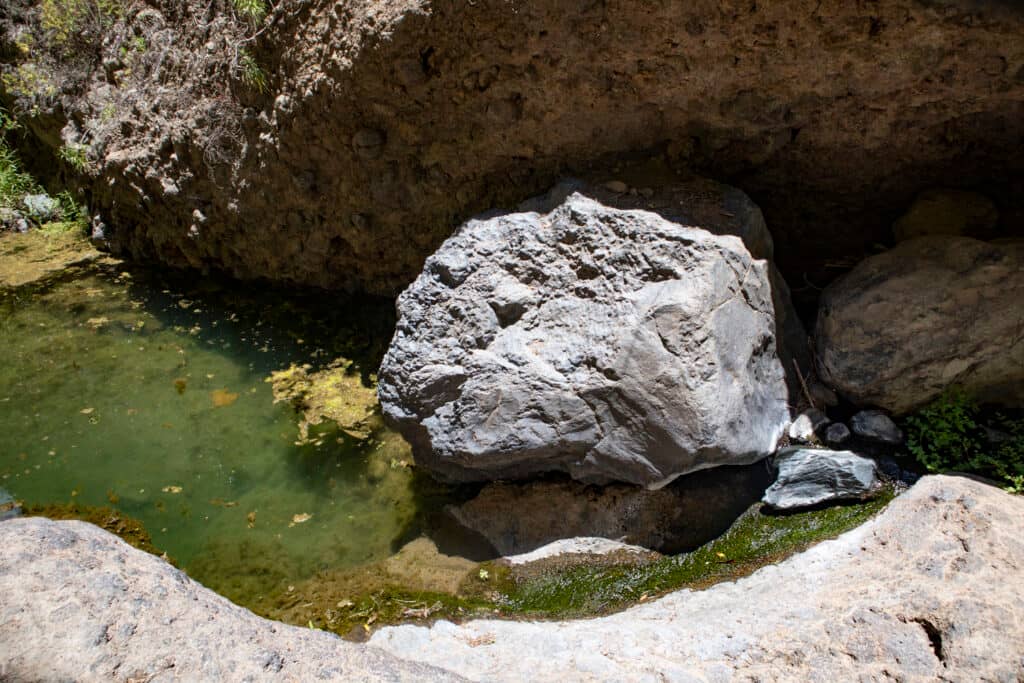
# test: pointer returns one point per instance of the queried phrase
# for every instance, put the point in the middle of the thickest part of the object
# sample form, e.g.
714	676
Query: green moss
354	605
754	540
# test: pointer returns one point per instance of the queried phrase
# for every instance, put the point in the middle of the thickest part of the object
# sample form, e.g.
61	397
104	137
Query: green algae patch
755	540
130	530
38	256
336	396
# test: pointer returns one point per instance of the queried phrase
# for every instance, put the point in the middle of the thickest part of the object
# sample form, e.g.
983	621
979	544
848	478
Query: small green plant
953	434
252	11
68	21
14	183
252	74
75	156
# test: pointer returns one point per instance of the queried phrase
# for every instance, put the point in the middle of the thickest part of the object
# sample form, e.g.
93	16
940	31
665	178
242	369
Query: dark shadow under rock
520	517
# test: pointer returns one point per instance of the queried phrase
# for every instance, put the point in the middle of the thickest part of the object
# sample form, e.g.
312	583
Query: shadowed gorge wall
385	123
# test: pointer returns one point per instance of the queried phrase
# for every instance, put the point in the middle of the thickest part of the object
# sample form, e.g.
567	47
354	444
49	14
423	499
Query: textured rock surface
930	313
809	476
612	345
681	516
80	604
930	589
385	122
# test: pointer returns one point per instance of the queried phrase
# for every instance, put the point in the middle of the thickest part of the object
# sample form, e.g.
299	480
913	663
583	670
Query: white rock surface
583	545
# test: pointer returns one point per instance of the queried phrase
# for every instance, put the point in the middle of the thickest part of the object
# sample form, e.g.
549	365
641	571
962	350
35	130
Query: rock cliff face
337	144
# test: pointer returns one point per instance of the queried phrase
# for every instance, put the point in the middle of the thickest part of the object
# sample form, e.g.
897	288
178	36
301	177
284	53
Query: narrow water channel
149	395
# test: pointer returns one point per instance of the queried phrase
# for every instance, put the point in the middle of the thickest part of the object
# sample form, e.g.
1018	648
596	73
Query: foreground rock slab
930	313
930	589
609	344
80	604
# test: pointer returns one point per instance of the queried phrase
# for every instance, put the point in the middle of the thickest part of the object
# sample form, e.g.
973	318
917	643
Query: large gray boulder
609	344
932	312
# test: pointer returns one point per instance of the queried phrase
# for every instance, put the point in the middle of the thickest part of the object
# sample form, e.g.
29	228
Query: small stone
808	424
41	207
617	186
874	425
836	434
811	476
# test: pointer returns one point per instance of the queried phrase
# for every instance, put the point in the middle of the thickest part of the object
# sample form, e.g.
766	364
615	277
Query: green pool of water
147	395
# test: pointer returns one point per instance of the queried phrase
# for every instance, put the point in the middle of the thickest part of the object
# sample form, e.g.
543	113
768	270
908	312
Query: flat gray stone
811	476
609	344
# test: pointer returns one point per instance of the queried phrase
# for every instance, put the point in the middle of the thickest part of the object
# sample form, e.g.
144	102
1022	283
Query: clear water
149	396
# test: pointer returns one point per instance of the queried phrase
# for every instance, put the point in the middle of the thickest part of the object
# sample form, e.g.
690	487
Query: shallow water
147	395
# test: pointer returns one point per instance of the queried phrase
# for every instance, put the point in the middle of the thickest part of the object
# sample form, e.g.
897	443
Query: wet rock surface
681	516
931	313
929	589
812	476
612	345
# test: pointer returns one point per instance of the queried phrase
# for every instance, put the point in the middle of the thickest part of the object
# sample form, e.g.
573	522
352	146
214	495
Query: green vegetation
253	11
252	73
753	541
954	433
14	183
75	156
68	22
559	592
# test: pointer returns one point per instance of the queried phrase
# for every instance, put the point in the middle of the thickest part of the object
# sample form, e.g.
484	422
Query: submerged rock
9	507
609	344
931	313
683	515
810	476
